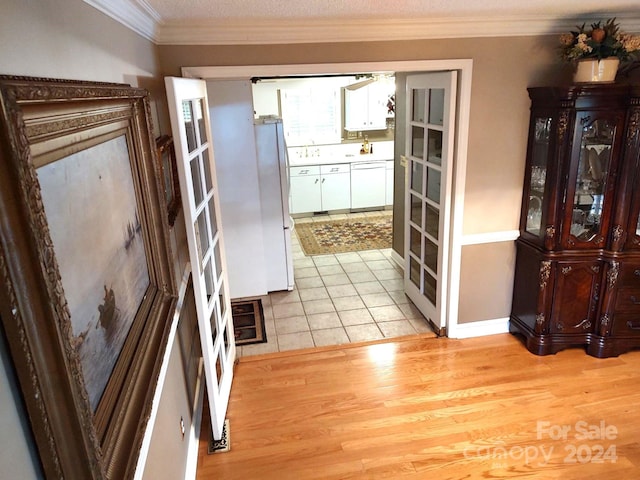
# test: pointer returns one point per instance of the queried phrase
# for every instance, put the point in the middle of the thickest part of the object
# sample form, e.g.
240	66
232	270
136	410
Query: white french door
189	112
429	150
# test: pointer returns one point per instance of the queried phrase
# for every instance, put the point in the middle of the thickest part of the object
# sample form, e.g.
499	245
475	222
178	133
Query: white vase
592	70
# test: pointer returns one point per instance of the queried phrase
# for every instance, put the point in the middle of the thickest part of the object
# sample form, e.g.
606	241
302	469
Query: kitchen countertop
343	153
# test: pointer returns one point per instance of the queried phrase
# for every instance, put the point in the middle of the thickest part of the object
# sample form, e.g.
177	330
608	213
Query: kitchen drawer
626	325
302	171
335	168
628	300
630	275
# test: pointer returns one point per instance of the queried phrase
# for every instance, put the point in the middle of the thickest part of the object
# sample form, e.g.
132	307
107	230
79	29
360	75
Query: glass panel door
190	124
596	138
429	152
538	174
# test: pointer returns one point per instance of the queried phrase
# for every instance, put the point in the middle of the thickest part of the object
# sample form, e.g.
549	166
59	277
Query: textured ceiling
172	10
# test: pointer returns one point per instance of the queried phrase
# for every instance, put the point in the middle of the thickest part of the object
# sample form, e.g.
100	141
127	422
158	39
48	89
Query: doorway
462	119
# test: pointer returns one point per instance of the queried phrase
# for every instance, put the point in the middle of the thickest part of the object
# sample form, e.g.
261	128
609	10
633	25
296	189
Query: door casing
464	68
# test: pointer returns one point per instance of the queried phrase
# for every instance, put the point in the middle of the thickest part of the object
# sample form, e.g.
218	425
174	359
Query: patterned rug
349	235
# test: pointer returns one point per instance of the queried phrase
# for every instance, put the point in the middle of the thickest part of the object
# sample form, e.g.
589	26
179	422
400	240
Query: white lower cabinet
336	186
389	179
318	188
305	194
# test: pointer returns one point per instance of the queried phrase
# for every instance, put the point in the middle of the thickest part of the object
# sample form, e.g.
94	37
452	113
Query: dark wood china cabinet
577	278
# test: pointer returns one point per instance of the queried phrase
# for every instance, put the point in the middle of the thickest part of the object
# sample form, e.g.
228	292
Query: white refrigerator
273	178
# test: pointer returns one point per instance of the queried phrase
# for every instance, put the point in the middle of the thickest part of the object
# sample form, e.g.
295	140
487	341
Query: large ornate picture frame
86	280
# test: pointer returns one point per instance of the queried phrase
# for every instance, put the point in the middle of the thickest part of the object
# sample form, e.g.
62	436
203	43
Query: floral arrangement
599	41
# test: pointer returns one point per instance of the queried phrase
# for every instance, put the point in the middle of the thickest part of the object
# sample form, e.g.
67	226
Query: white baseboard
479	329
395	256
196	424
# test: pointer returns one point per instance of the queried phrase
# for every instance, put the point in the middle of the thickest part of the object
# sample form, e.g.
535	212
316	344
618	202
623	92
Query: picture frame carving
87	379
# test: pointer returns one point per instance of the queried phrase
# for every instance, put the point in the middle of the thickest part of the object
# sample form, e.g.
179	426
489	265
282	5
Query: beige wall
69	39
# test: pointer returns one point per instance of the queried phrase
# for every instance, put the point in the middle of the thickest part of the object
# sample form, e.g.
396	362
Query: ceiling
311	21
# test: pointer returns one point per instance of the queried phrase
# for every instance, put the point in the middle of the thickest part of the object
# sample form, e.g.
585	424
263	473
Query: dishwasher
368	184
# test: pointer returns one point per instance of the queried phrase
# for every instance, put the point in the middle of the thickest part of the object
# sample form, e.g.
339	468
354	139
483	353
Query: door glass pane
432	221
187	113
208	281
434	154
195	179
219	368
213	320
430	287
417	141
416	210
207	171
433	185
416	177
212	217
415	241
538	173
223	305
593	168
199	117
216	252
418	105
436	106
202	232
414	272
431	255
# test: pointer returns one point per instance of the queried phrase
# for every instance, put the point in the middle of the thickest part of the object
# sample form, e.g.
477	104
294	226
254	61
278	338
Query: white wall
234	146
265	92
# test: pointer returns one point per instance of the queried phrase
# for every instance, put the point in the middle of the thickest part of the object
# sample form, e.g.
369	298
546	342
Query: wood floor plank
422	408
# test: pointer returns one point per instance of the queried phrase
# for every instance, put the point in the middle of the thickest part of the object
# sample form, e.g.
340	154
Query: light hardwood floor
427	408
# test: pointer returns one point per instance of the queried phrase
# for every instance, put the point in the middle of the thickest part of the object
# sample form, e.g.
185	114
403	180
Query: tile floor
337	299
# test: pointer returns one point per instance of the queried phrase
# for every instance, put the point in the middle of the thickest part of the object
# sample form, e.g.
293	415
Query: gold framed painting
86	283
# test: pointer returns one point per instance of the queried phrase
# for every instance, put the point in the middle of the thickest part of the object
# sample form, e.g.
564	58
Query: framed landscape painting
86	283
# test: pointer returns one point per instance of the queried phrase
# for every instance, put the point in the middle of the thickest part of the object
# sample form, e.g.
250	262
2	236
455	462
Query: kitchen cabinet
389	182
368	184
335	182
365	108
305	194
318	188
577	278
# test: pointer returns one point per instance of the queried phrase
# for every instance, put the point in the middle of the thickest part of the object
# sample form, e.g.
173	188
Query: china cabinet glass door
537	174
586	197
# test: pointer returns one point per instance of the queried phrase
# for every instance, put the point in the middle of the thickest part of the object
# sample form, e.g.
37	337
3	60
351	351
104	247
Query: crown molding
365	30
140	17
137	15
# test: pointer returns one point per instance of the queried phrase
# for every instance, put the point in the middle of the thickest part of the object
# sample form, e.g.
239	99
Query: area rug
348	235
248	321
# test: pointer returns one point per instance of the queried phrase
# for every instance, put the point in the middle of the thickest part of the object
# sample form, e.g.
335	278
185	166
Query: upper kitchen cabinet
365	105
311	116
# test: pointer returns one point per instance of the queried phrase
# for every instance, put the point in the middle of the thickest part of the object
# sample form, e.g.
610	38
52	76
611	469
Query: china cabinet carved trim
577	280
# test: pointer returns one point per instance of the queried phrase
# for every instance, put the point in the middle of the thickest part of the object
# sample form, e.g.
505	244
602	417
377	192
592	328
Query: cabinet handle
637	272
316	181
633	325
323	180
634	300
